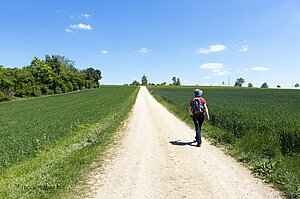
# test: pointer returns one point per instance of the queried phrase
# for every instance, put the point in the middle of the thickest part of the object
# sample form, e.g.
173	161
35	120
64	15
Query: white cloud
81	26
260	68
104	51
86	16
68	30
207	77
224	72
212	49
244	48
216	68
212	65
143	50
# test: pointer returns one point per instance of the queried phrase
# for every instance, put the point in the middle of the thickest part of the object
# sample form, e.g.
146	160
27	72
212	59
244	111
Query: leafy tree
250	85
278	86
239	82
135	83
42	73
144	80
296	85
6	79
55	74
176	81
69	86
92	74
264	85
24	83
56	63
92	78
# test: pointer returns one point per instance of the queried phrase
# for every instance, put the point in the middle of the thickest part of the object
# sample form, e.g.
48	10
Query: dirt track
156	159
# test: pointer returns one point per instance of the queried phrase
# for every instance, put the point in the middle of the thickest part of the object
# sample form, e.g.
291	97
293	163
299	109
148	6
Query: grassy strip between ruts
55	171
274	170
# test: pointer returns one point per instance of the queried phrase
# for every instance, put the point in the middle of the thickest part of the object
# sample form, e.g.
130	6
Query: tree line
53	75
239	82
176	81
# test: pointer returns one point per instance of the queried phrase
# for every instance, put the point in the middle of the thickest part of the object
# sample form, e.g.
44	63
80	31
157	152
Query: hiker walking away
197	111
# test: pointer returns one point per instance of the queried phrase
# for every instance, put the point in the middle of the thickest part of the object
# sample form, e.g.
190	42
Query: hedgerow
56	74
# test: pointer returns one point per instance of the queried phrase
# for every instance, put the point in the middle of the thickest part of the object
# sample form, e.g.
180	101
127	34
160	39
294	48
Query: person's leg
197	128
200	120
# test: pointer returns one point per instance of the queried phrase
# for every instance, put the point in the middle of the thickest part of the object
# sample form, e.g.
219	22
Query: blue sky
201	42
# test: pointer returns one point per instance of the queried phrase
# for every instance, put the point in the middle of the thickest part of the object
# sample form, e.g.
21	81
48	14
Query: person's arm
190	111
206	110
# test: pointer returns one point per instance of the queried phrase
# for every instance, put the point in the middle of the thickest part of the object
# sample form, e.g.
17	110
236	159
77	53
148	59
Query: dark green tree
43	75
24	83
296	85
92	78
264	85
239	82
250	85
176	81
144	80
135	83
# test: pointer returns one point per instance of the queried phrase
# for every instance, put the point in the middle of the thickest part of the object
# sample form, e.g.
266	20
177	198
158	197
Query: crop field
262	126
27	125
49	144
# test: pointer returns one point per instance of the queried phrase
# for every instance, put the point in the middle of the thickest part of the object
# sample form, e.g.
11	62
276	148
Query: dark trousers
198	120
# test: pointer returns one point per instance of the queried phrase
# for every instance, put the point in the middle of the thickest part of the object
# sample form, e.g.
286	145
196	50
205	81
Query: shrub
70	86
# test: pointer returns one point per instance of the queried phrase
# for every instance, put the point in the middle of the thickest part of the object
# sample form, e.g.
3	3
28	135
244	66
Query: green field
60	134
260	125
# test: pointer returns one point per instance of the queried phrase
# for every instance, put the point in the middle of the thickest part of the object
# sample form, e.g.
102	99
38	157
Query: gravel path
157	159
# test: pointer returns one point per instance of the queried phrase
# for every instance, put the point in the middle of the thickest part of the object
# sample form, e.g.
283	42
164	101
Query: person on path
197	111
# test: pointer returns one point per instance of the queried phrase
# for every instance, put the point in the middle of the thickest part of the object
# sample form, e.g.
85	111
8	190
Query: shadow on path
180	143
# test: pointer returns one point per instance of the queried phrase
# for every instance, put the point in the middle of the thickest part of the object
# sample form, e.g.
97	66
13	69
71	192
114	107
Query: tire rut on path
157	159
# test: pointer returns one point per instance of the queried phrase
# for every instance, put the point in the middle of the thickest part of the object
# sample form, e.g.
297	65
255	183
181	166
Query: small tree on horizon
278	86
264	85
239	82
296	85
144	80
176	81
135	83
250	85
